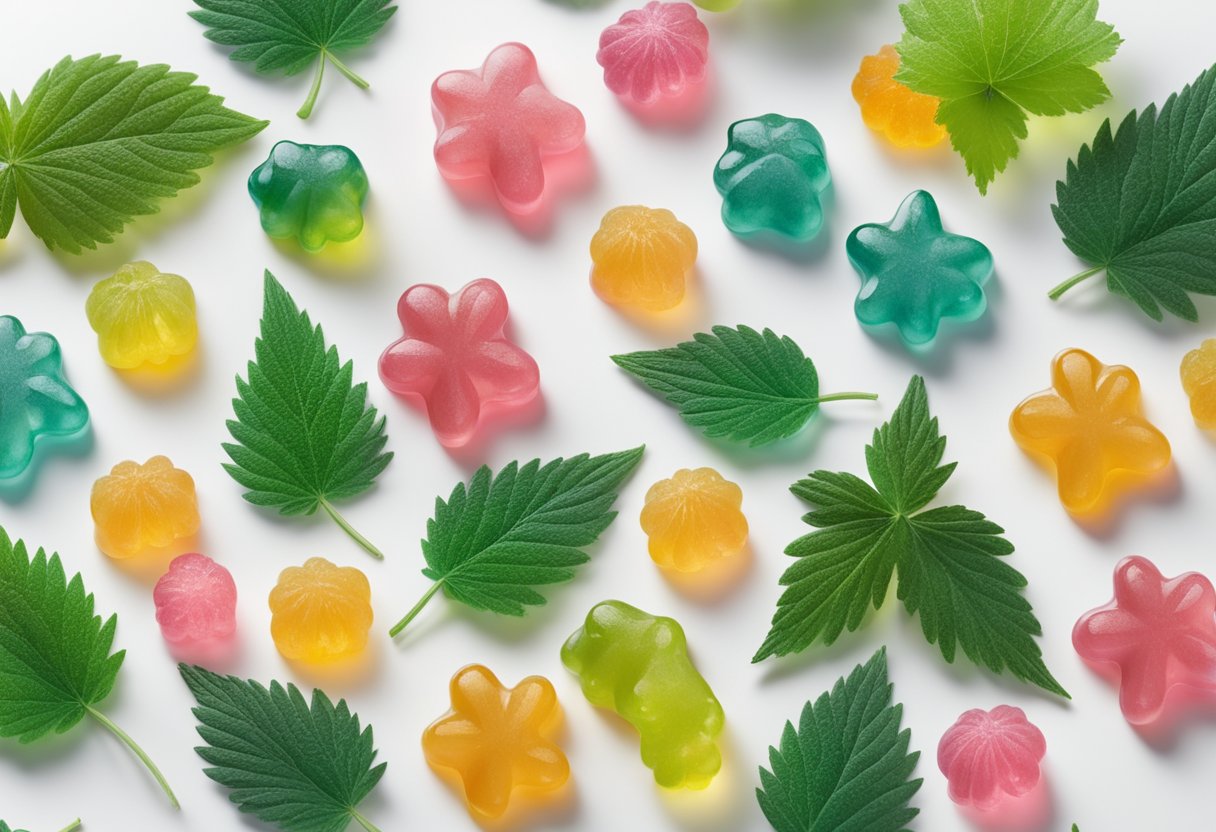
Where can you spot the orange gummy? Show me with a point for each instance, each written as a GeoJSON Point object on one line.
{"type": "Point", "coordinates": [320, 612]}
{"type": "Point", "coordinates": [906, 118]}
{"type": "Point", "coordinates": [642, 257]}
{"type": "Point", "coordinates": [693, 519]}
{"type": "Point", "coordinates": [1199, 381]}
{"type": "Point", "coordinates": [141, 507]}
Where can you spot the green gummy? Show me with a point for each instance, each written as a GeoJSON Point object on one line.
{"type": "Point", "coordinates": [312, 192]}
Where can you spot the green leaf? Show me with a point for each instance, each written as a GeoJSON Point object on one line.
{"type": "Point", "coordinates": [55, 659]}
{"type": "Point", "coordinates": [1141, 204]}
{"type": "Point", "coordinates": [99, 141]}
{"type": "Point", "coordinates": [993, 62]}
{"type": "Point", "coordinates": [303, 768]}
{"type": "Point", "coordinates": [525, 526]}
{"type": "Point", "coordinates": [846, 768]}
{"type": "Point", "coordinates": [71, 827]}
{"type": "Point", "coordinates": [737, 383]}
{"type": "Point", "coordinates": [289, 36]}
{"type": "Point", "coordinates": [947, 559]}
{"type": "Point", "coordinates": [305, 434]}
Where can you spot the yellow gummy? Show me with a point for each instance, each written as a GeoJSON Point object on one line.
{"type": "Point", "coordinates": [320, 612]}
{"type": "Point", "coordinates": [141, 507]}
{"type": "Point", "coordinates": [142, 316]}
{"type": "Point", "coordinates": [641, 258]}
{"type": "Point", "coordinates": [693, 519]}
{"type": "Point", "coordinates": [1199, 381]}
{"type": "Point", "coordinates": [906, 118]}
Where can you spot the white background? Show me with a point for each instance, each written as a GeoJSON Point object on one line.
{"type": "Point", "coordinates": [1101, 773]}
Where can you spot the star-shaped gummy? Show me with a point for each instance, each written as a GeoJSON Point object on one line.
{"type": "Point", "coordinates": [914, 273]}
{"type": "Point", "coordinates": [1090, 428]}
{"type": "Point", "coordinates": [35, 399]}
{"type": "Point", "coordinates": [455, 357]}
{"type": "Point", "coordinates": [501, 122]}
{"type": "Point", "coordinates": [1159, 632]}
{"type": "Point", "coordinates": [314, 193]}
{"type": "Point", "coordinates": [497, 739]}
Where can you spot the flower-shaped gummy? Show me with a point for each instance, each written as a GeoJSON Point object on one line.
{"type": "Point", "coordinates": [656, 52]}
{"type": "Point", "coordinates": [314, 193]}
{"type": "Point", "coordinates": [642, 257]}
{"type": "Point", "coordinates": [142, 316]}
{"type": "Point", "coordinates": [195, 602]}
{"type": "Point", "coordinates": [320, 612]}
{"type": "Point", "coordinates": [693, 519]}
{"type": "Point", "coordinates": [987, 755]}
{"type": "Point", "coordinates": [137, 508]}
{"type": "Point", "coordinates": [905, 117]}
{"type": "Point", "coordinates": [1198, 373]}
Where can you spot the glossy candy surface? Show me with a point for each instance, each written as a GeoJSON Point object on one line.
{"type": "Point", "coordinates": [1198, 373]}
{"type": "Point", "coordinates": [641, 258]}
{"type": "Point", "coordinates": [320, 612]}
{"type": "Point", "coordinates": [137, 508]}
{"type": "Point", "coordinates": [913, 273]}
{"type": "Point", "coordinates": [904, 117]}
{"type": "Point", "coordinates": [312, 192]}
{"type": "Point", "coordinates": [142, 316]}
{"type": "Point", "coordinates": [498, 739]}
{"type": "Point", "coordinates": [693, 519]}
{"type": "Point", "coordinates": [637, 665]}
{"type": "Point", "coordinates": [657, 51]}
{"type": "Point", "coordinates": [988, 754]}
{"type": "Point", "coordinates": [1090, 428]}
{"type": "Point", "coordinates": [195, 602]}
{"type": "Point", "coordinates": [456, 358]}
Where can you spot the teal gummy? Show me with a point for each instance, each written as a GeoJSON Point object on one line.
{"type": "Point", "coordinates": [312, 192]}
{"type": "Point", "coordinates": [914, 274]}
{"type": "Point", "coordinates": [772, 177]}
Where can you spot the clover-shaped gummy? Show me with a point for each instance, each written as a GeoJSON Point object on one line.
{"type": "Point", "coordinates": [137, 508]}
{"type": "Point", "coordinates": [320, 612]}
{"type": "Point", "coordinates": [314, 193]}
{"type": "Point", "coordinates": [642, 257]}
{"type": "Point", "coordinates": [142, 316]}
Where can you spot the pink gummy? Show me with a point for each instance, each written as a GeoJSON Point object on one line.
{"type": "Point", "coordinates": [1160, 633]}
{"type": "Point", "coordinates": [455, 357]}
{"type": "Point", "coordinates": [501, 122]}
{"type": "Point", "coordinates": [657, 51]}
{"type": "Point", "coordinates": [986, 755]}
{"type": "Point", "coordinates": [195, 602]}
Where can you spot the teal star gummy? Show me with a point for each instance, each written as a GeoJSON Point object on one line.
{"type": "Point", "coordinates": [913, 273]}
{"type": "Point", "coordinates": [312, 192]}
{"type": "Point", "coordinates": [35, 399]}
{"type": "Point", "coordinates": [772, 177]}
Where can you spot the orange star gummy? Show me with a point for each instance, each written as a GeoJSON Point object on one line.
{"type": "Point", "coordinates": [1090, 428]}
{"type": "Point", "coordinates": [320, 612]}
{"type": "Point", "coordinates": [1199, 381]}
{"type": "Point", "coordinates": [141, 507]}
{"type": "Point", "coordinates": [642, 257]}
{"type": "Point", "coordinates": [906, 118]}
{"type": "Point", "coordinates": [496, 739]}
{"type": "Point", "coordinates": [693, 519]}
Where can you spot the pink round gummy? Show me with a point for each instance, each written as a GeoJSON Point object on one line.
{"type": "Point", "coordinates": [456, 358]}
{"type": "Point", "coordinates": [195, 602]}
{"type": "Point", "coordinates": [657, 51]}
{"type": "Point", "coordinates": [988, 754]}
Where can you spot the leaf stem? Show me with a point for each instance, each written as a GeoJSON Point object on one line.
{"type": "Point", "coordinates": [362, 821]}
{"type": "Point", "coordinates": [1055, 293]}
{"type": "Point", "coordinates": [847, 395]}
{"type": "Point", "coordinates": [344, 69]}
{"type": "Point", "coordinates": [413, 613]}
{"type": "Point", "coordinates": [350, 530]}
{"type": "Point", "coordinates": [139, 752]}
{"type": "Point", "coordinates": [71, 826]}
{"type": "Point", "coordinates": [306, 108]}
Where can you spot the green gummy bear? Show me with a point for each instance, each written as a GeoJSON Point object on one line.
{"type": "Point", "coordinates": [313, 192]}
{"type": "Point", "coordinates": [914, 274]}
{"type": "Point", "coordinates": [637, 665]}
{"type": "Point", "coordinates": [772, 177]}
{"type": "Point", "coordinates": [35, 398]}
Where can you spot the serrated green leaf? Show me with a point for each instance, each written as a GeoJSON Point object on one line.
{"type": "Point", "coordinates": [287, 37]}
{"type": "Point", "coordinates": [495, 539]}
{"type": "Point", "coordinates": [737, 383]}
{"type": "Point", "coordinates": [947, 559]}
{"type": "Point", "coordinates": [1141, 204]}
{"type": "Point", "coordinates": [303, 768]}
{"type": "Point", "coordinates": [305, 434]}
{"type": "Point", "coordinates": [846, 768]}
{"type": "Point", "coordinates": [100, 140]}
{"type": "Point", "coordinates": [993, 62]}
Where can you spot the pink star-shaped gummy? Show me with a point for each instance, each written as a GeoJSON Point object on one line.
{"type": "Point", "coordinates": [1160, 633]}
{"type": "Point", "coordinates": [501, 121]}
{"type": "Point", "coordinates": [455, 357]}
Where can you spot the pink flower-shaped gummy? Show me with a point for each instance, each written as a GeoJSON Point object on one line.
{"type": "Point", "coordinates": [986, 755]}
{"type": "Point", "coordinates": [657, 51]}
{"type": "Point", "coordinates": [501, 122]}
{"type": "Point", "coordinates": [1160, 633]}
{"type": "Point", "coordinates": [455, 357]}
{"type": "Point", "coordinates": [195, 602]}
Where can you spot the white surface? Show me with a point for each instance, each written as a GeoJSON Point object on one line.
{"type": "Point", "coordinates": [1102, 774]}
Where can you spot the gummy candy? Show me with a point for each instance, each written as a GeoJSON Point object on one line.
{"type": "Point", "coordinates": [988, 754]}
{"type": "Point", "coordinates": [501, 122]}
{"type": "Point", "coordinates": [1090, 428]}
{"type": "Point", "coordinates": [313, 192]}
{"type": "Point", "coordinates": [914, 274]}
{"type": "Point", "coordinates": [693, 519]}
{"type": "Point", "coordinates": [1159, 632]}
{"type": "Point", "coordinates": [35, 399]}
{"type": "Point", "coordinates": [906, 118]}
{"type": "Point", "coordinates": [716, 5]}
{"type": "Point", "coordinates": [195, 602]}
{"type": "Point", "coordinates": [142, 316]}
{"type": "Point", "coordinates": [498, 739]}
{"type": "Point", "coordinates": [642, 258]}
{"type": "Point", "coordinates": [455, 357]}
{"type": "Point", "coordinates": [657, 51]}
{"type": "Point", "coordinates": [141, 507]}
{"type": "Point", "coordinates": [638, 666]}
{"type": "Point", "coordinates": [1199, 381]}
{"type": "Point", "coordinates": [320, 612]}
{"type": "Point", "coordinates": [772, 177]}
